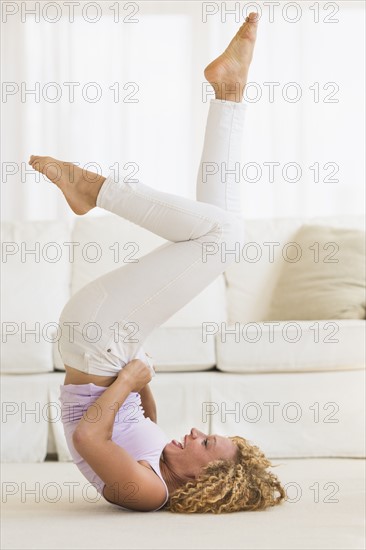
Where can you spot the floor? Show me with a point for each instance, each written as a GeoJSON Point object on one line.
{"type": "Point", "coordinates": [326, 509]}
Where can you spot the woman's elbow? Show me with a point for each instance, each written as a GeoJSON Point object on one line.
{"type": "Point", "coordinates": [80, 438]}
{"type": "Point", "coordinates": [87, 438]}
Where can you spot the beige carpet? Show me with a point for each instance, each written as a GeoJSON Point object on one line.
{"type": "Point", "coordinates": [320, 516]}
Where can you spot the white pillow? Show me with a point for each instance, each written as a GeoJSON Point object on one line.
{"type": "Point", "coordinates": [323, 278]}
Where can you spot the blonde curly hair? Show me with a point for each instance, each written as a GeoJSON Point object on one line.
{"type": "Point", "coordinates": [230, 485]}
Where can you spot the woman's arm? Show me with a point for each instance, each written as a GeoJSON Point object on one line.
{"type": "Point", "coordinates": [98, 420]}
{"type": "Point", "coordinates": [127, 482]}
{"type": "Point", "coordinates": [148, 403]}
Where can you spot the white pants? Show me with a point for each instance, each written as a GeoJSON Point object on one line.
{"type": "Point", "coordinates": [128, 303]}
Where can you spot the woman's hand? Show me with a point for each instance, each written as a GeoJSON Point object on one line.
{"type": "Point", "coordinates": [135, 374]}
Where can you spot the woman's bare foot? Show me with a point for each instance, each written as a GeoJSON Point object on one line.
{"type": "Point", "coordinates": [79, 186]}
{"type": "Point", "coordinates": [229, 72]}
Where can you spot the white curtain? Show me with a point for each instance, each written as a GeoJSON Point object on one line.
{"type": "Point", "coordinates": [152, 55]}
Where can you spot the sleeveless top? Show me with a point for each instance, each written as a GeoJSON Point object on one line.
{"type": "Point", "coordinates": [138, 435]}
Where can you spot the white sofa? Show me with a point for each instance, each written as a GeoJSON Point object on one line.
{"type": "Point", "coordinates": [218, 366]}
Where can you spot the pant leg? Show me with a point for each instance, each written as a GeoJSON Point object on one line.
{"type": "Point", "coordinates": [128, 303]}
{"type": "Point", "coordinates": [218, 180]}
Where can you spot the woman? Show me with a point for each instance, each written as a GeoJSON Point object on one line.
{"type": "Point", "coordinates": [105, 393]}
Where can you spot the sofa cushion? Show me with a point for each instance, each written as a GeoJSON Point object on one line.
{"type": "Point", "coordinates": [252, 277]}
{"type": "Point", "coordinates": [175, 349]}
{"type": "Point", "coordinates": [323, 276]}
{"type": "Point", "coordinates": [297, 346]}
{"type": "Point", "coordinates": [26, 417]}
{"type": "Point", "coordinates": [312, 414]}
{"type": "Point", "coordinates": [35, 287]}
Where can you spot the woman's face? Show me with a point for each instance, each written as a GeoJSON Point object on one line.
{"type": "Point", "coordinates": [197, 450]}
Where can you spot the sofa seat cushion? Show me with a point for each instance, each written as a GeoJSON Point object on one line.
{"type": "Point", "coordinates": [322, 276]}
{"type": "Point", "coordinates": [287, 346]}
{"type": "Point", "coordinates": [312, 414]}
{"type": "Point", "coordinates": [26, 417]}
{"type": "Point", "coordinates": [180, 349]}
{"type": "Point", "coordinates": [171, 350]}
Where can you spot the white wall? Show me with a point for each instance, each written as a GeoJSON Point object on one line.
{"type": "Point", "coordinates": [164, 53]}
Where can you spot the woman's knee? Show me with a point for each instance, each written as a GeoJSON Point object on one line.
{"type": "Point", "coordinates": [232, 230]}
{"type": "Point", "coordinates": [228, 228]}
{"type": "Point", "coordinates": [224, 241]}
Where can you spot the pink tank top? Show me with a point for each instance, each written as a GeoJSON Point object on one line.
{"type": "Point", "coordinates": [139, 436]}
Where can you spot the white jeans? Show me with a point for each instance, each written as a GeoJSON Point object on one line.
{"type": "Point", "coordinates": [128, 303]}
